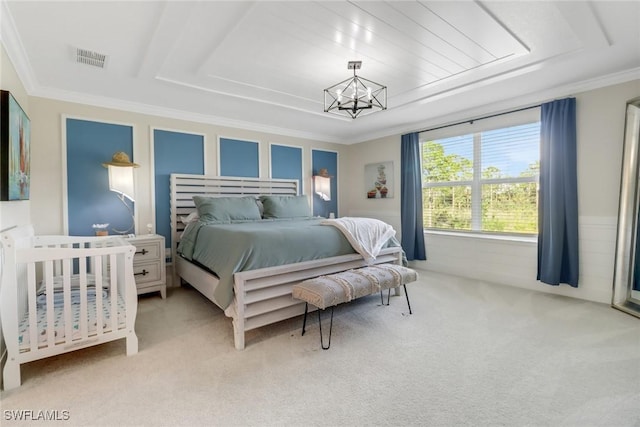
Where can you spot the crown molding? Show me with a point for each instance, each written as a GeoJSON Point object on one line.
{"type": "Point", "coordinates": [599, 82]}
{"type": "Point", "coordinates": [152, 110]}
{"type": "Point", "coordinates": [15, 50]}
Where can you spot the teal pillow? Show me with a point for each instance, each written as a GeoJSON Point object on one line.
{"type": "Point", "coordinates": [227, 208]}
{"type": "Point", "coordinates": [285, 207]}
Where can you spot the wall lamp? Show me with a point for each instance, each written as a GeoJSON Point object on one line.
{"type": "Point", "coordinates": [120, 170]}
{"type": "Point", "coordinates": [322, 184]}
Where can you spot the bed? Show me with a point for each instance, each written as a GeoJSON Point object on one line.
{"type": "Point", "coordinates": [258, 295]}
{"type": "Point", "coordinates": [64, 293]}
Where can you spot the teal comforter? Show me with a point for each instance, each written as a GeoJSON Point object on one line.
{"type": "Point", "coordinates": [229, 248]}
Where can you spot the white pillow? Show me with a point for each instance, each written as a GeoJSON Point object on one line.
{"type": "Point", "coordinates": [192, 217]}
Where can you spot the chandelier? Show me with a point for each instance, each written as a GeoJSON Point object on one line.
{"type": "Point", "coordinates": [355, 96]}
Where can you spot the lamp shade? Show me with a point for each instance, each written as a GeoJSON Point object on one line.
{"type": "Point", "coordinates": [121, 181]}
{"type": "Point", "coordinates": [322, 187]}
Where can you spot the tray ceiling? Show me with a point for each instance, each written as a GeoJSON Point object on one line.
{"type": "Point", "coordinates": [264, 65]}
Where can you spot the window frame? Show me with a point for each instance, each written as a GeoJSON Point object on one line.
{"type": "Point", "coordinates": [476, 183]}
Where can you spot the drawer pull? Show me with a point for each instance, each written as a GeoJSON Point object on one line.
{"type": "Point", "coordinates": [143, 252]}
{"type": "Point", "coordinates": [143, 273]}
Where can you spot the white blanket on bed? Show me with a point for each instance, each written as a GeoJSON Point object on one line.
{"type": "Point", "coordinates": [366, 235]}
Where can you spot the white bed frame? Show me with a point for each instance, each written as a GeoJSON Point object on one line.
{"type": "Point", "coordinates": [262, 296]}
{"type": "Point", "coordinates": [28, 260]}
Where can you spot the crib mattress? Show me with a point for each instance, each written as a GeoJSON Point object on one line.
{"type": "Point", "coordinates": [24, 339]}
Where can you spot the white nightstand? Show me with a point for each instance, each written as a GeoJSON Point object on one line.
{"type": "Point", "coordinates": [149, 263]}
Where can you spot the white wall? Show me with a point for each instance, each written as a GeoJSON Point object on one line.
{"type": "Point", "coordinates": [600, 122]}
{"type": "Point", "coordinates": [353, 185]}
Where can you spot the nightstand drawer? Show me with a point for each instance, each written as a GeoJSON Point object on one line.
{"type": "Point", "coordinates": [147, 251]}
{"type": "Point", "coordinates": [147, 272]}
{"type": "Point", "coordinates": [149, 263]}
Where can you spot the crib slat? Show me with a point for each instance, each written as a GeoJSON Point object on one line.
{"type": "Point", "coordinates": [98, 277]}
{"type": "Point", "coordinates": [33, 313]}
{"type": "Point", "coordinates": [57, 267]}
{"type": "Point", "coordinates": [105, 259]}
{"type": "Point", "coordinates": [93, 261]}
{"type": "Point", "coordinates": [113, 290]}
{"type": "Point", "coordinates": [48, 272]}
{"type": "Point", "coordinates": [84, 318]}
{"type": "Point", "coordinates": [66, 288]}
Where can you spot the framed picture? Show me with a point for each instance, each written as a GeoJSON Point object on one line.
{"type": "Point", "coordinates": [378, 179]}
{"type": "Point", "coordinates": [15, 141]}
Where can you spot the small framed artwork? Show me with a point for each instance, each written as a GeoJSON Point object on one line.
{"type": "Point", "coordinates": [15, 141]}
{"type": "Point", "coordinates": [378, 179]}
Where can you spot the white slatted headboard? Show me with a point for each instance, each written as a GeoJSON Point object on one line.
{"type": "Point", "coordinates": [184, 187]}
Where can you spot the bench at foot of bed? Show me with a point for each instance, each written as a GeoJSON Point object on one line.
{"type": "Point", "coordinates": [331, 290]}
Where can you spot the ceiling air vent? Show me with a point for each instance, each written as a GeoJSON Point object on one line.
{"type": "Point", "coordinates": [89, 57]}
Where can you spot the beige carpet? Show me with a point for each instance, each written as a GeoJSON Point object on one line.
{"type": "Point", "coordinates": [471, 354]}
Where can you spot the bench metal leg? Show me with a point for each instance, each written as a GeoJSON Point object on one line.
{"type": "Point", "coordinates": [407, 295]}
{"type": "Point", "coordinates": [304, 320]}
{"type": "Point", "coordinates": [389, 297]}
{"type": "Point", "coordinates": [304, 325]}
{"type": "Point", "coordinates": [330, 328]}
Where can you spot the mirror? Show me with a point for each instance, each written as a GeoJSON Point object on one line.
{"type": "Point", "coordinates": [626, 279]}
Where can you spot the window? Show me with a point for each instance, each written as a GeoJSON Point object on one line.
{"type": "Point", "coordinates": [485, 181]}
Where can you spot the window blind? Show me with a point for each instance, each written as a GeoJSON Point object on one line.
{"type": "Point", "coordinates": [486, 181]}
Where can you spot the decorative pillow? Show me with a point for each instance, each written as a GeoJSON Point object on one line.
{"type": "Point", "coordinates": [226, 208]}
{"type": "Point", "coordinates": [285, 207]}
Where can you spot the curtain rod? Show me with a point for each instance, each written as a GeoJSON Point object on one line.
{"type": "Point", "coordinates": [470, 121]}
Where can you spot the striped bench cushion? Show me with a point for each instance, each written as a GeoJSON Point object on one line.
{"type": "Point", "coordinates": [333, 289]}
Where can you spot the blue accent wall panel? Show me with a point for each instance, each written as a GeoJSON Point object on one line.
{"type": "Point", "coordinates": [89, 144]}
{"type": "Point", "coordinates": [286, 163]}
{"type": "Point", "coordinates": [174, 152]}
{"type": "Point", "coordinates": [239, 158]}
{"type": "Point", "coordinates": [329, 160]}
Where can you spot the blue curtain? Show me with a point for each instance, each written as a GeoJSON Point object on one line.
{"type": "Point", "coordinates": [558, 204]}
{"type": "Point", "coordinates": [411, 198]}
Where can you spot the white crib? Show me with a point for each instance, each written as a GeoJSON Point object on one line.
{"type": "Point", "coordinates": [83, 286]}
